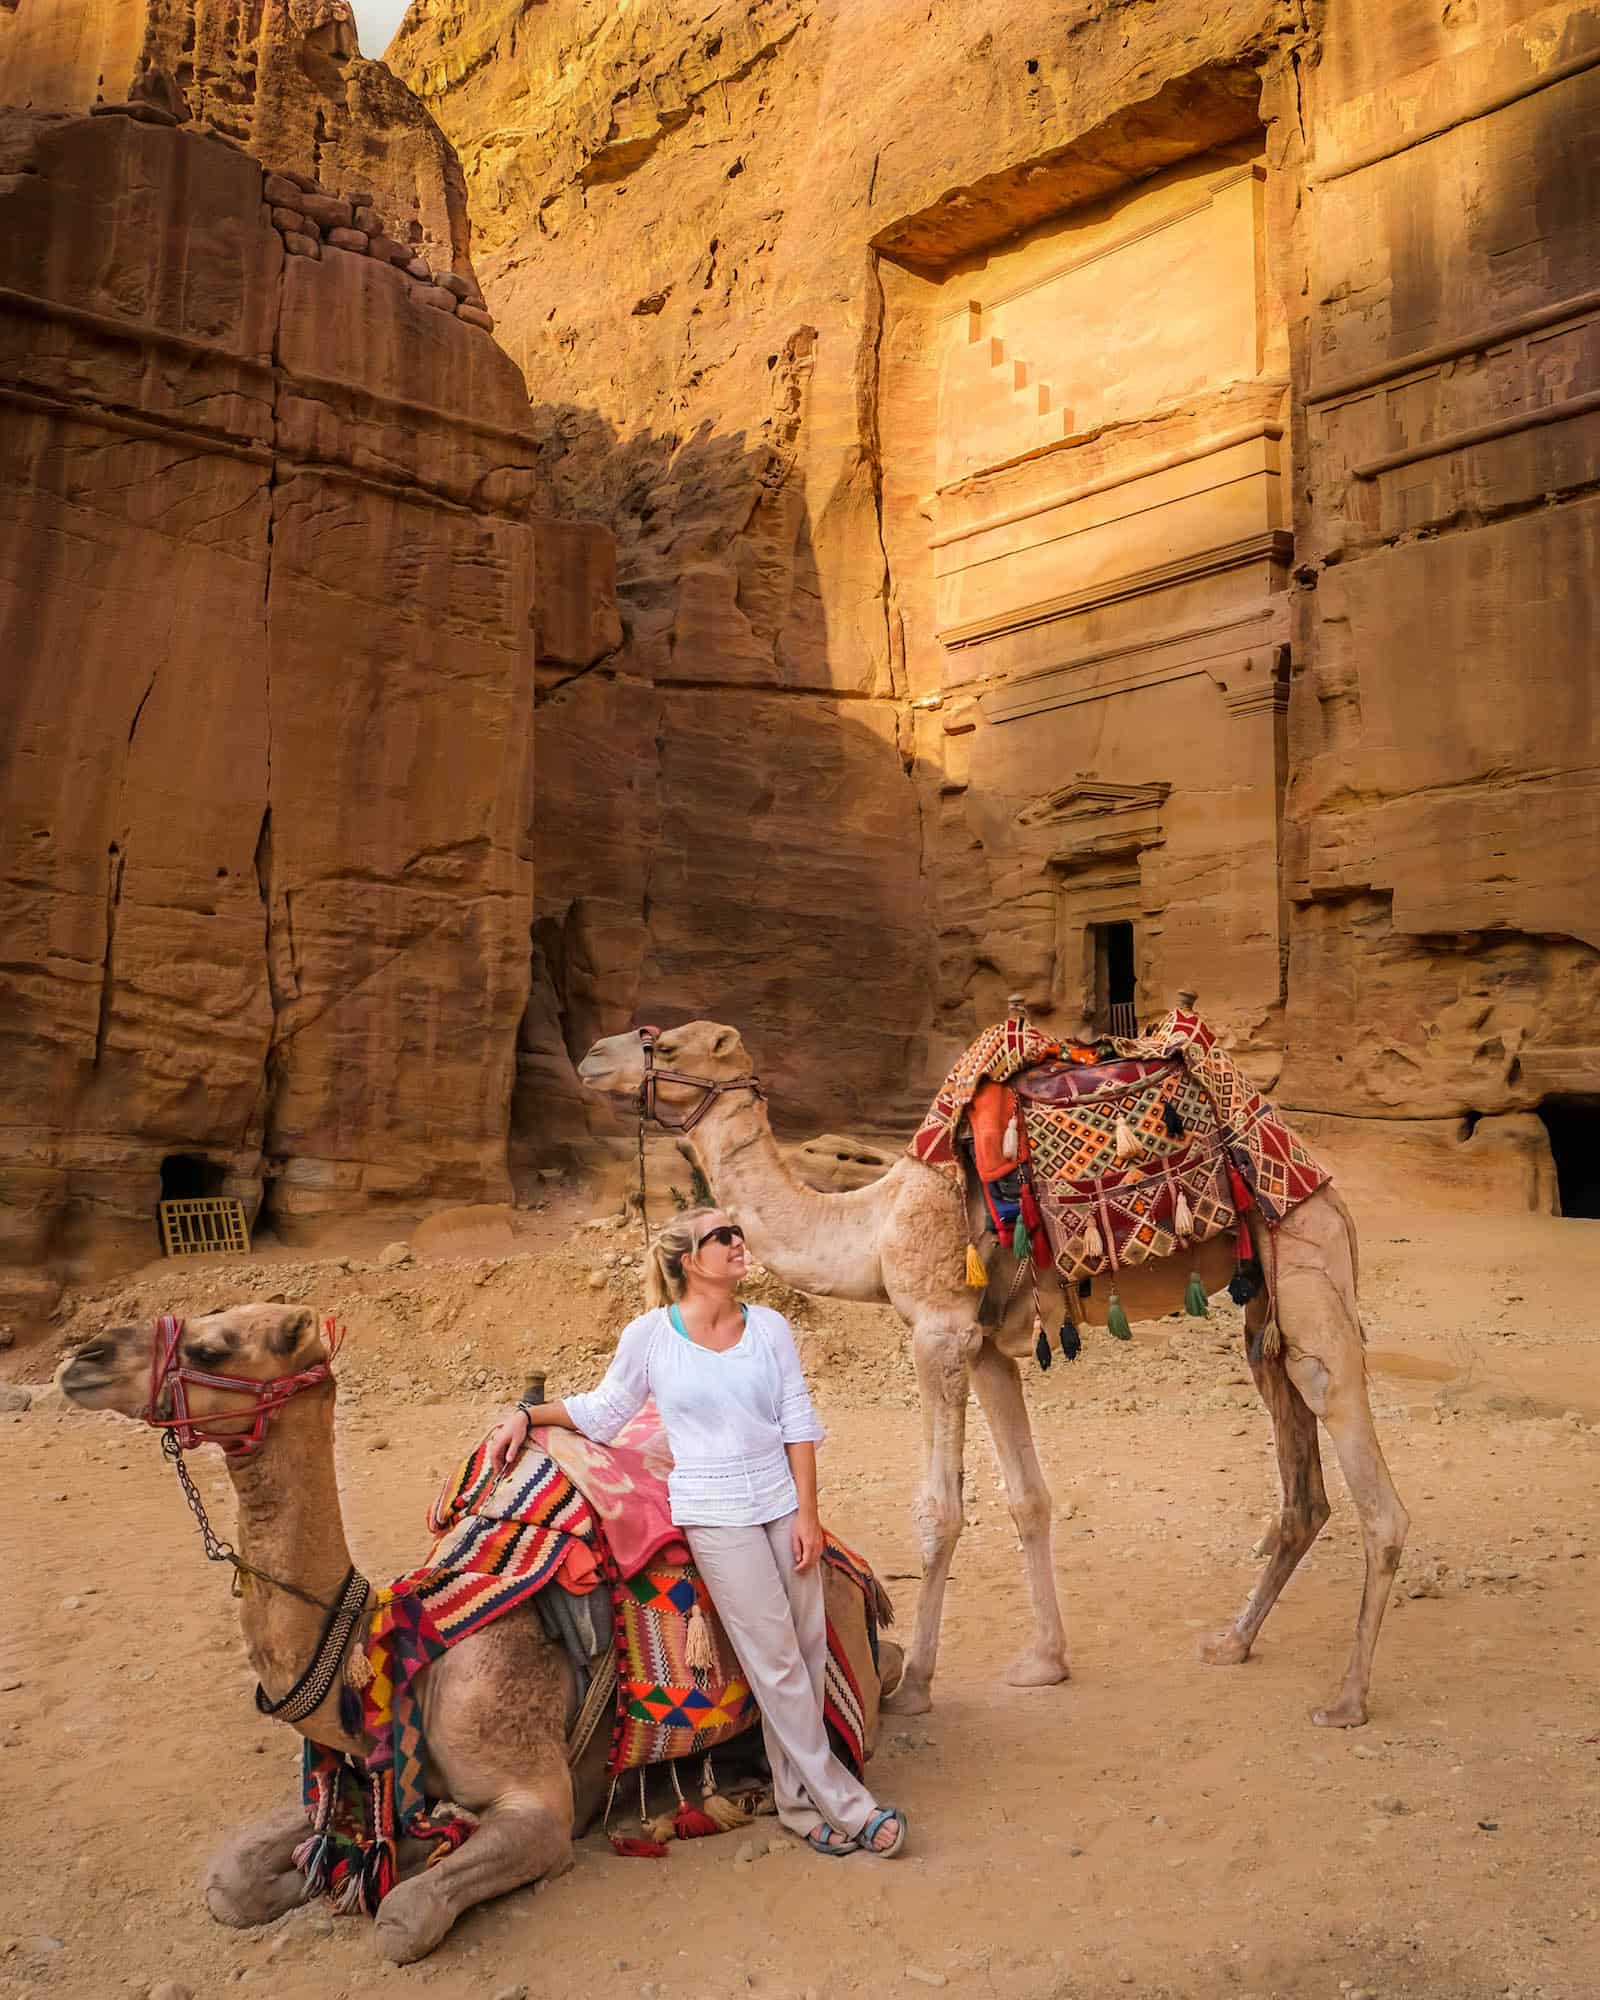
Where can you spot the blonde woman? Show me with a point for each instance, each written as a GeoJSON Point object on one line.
{"type": "Point", "coordinates": [744, 1435]}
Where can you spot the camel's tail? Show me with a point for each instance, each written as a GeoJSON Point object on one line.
{"type": "Point", "coordinates": [1350, 1237]}
{"type": "Point", "coordinates": [882, 1604]}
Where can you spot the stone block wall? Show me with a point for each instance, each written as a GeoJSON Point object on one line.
{"type": "Point", "coordinates": [266, 599]}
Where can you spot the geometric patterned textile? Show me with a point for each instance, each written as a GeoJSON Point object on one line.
{"type": "Point", "coordinates": [1192, 1115]}
{"type": "Point", "coordinates": [667, 1709]}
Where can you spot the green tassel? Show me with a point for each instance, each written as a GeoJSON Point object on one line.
{"type": "Point", "coordinates": [1019, 1240]}
{"type": "Point", "coordinates": [1194, 1299]}
{"type": "Point", "coordinates": [1117, 1320]}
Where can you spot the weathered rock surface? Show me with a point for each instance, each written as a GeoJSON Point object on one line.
{"type": "Point", "coordinates": [284, 79]}
{"type": "Point", "coordinates": [266, 596]}
{"type": "Point", "coordinates": [1170, 453]}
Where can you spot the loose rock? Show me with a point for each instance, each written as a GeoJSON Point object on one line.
{"type": "Point", "coordinates": [926, 1978]}
{"type": "Point", "coordinates": [14, 1398]}
{"type": "Point", "coordinates": [393, 1256]}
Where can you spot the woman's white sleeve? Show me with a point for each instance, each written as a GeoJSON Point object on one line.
{"type": "Point", "coordinates": [600, 1413]}
{"type": "Point", "coordinates": [797, 1416]}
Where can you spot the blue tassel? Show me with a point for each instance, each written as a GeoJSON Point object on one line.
{"type": "Point", "coordinates": [1041, 1347]}
{"type": "Point", "coordinates": [1071, 1345]}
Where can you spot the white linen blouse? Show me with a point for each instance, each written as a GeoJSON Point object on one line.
{"type": "Point", "coordinates": [727, 1416]}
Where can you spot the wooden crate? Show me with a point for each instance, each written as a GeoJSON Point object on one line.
{"type": "Point", "coordinates": [203, 1225]}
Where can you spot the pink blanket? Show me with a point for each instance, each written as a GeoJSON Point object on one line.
{"type": "Point", "coordinates": [625, 1482]}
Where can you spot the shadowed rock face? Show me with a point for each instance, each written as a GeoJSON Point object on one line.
{"type": "Point", "coordinates": [1144, 437]}
{"type": "Point", "coordinates": [266, 600]}
{"type": "Point", "coordinates": [285, 79]}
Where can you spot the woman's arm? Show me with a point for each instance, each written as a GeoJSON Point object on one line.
{"type": "Point", "coordinates": [599, 1413]}
{"type": "Point", "coordinates": [512, 1432]}
{"type": "Point", "coordinates": [807, 1526]}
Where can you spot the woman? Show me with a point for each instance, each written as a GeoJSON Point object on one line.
{"type": "Point", "coordinates": [744, 1437]}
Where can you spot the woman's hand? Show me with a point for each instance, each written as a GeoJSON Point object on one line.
{"type": "Point", "coordinates": [807, 1540]}
{"type": "Point", "coordinates": [507, 1439]}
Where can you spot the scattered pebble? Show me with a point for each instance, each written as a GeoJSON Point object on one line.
{"type": "Point", "coordinates": [745, 1854]}
{"type": "Point", "coordinates": [14, 1399]}
{"type": "Point", "coordinates": [393, 1256]}
{"type": "Point", "coordinates": [169, 1989]}
{"type": "Point", "coordinates": [926, 1978]}
{"type": "Point", "coordinates": [379, 1443]}
{"type": "Point", "coordinates": [512, 1993]}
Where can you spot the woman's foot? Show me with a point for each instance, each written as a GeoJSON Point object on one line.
{"type": "Point", "coordinates": [884, 1833]}
{"type": "Point", "coordinates": [825, 1839]}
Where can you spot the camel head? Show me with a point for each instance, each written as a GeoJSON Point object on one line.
{"type": "Point", "coordinates": [701, 1049]}
{"type": "Point", "coordinates": [251, 1343]}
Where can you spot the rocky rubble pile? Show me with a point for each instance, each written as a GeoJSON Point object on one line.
{"type": "Point", "coordinates": [310, 219]}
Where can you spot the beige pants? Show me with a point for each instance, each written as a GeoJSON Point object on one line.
{"type": "Point", "coordinates": [774, 1615]}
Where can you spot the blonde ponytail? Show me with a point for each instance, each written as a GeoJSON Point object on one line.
{"type": "Point", "coordinates": [672, 1242]}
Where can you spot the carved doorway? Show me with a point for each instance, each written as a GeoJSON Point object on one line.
{"type": "Point", "coordinates": [1116, 978]}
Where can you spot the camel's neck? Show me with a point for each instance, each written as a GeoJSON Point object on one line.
{"type": "Point", "coordinates": [291, 1527]}
{"type": "Point", "coordinates": [825, 1243]}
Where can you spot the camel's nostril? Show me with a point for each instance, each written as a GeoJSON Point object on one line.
{"type": "Point", "coordinates": [93, 1350]}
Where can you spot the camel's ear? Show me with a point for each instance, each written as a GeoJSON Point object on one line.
{"type": "Point", "coordinates": [725, 1044]}
{"type": "Point", "coordinates": [293, 1330]}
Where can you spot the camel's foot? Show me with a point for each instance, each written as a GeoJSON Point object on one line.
{"type": "Point", "coordinates": [911, 1697]}
{"type": "Point", "coordinates": [1348, 1712]}
{"type": "Point", "coordinates": [891, 1668]}
{"type": "Point", "coordinates": [253, 1880]}
{"type": "Point", "coordinates": [1224, 1648]}
{"type": "Point", "coordinates": [412, 1919]}
{"type": "Point", "coordinates": [1035, 1669]}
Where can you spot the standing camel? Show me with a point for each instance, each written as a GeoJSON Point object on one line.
{"type": "Point", "coordinates": [903, 1240]}
{"type": "Point", "coordinates": [495, 1707]}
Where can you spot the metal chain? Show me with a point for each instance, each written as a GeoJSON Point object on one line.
{"type": "Point", "coordinates": [217, 1550]}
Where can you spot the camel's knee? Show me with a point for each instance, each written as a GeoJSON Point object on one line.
{"type": "Point", "coordinates": [1312, 1380]}
{"type": "Point", "coordinates": [937, 1519]}
{"type": "Point", "coordinates": [253, 1880]}
{"type": "Point", "coordinates": [1031, 1514]}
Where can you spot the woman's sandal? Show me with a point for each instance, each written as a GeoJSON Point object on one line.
{"type": "Point", "coordinates": [825, 1839]}
{"type": "Point", "coordinates": [875, 1825]}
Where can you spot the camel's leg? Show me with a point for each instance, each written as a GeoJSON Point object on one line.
{"type": "Point", "coordinates": [1315, 1258]}
{"type": "Point", "coordinates": [518, 1840]}
{"type": "Point", "coordinates": [940, 1354]}
{"type": "Point", "coordinates": [998, 1382]}
{"type": "Point", "coordinates": [1304, 1507]}
{"type": "Point", "coordinates": [253, 1880]}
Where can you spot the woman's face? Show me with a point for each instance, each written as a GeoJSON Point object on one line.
{"type": "Point", "coordinates": [721, 1263]}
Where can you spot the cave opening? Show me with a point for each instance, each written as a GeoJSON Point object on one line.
{"type": "Point", "coordinates": [1573, 1127]}
{"type": "Point", "coordinates": [190, 1177]}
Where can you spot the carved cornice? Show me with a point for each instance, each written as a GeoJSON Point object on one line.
{"type": "Point", "coordinates": [1244, 654]}
{"type": "Point", "coordinates": [1273, 545]}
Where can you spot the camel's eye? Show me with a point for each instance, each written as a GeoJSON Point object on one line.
{"type": "Point", "coordinates": [205, 1354]}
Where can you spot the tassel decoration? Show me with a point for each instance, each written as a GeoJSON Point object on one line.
{"type": "Point", "coordinates": [1194, 1298]}
{"type": "Point", "coordinates": [700, 1650]}
{"type": "Point", "coordinates": [631, 1846]}
{"type": "Point", "coordinates": [1093, 1242]}
{"type": "Point", "coordinates": [1117, 1320]}
{"type": "Point", "coordinates": [1019, 1240]}
{"type": "Point", "coordinates": [1169, 1117]}
{"type": "Point", "coordinates": [1128, 1146]}
{"type": "Point", "coordinates": [358, 1668]}
{"type": "Point", "coordinates": [1183, 1216]}
{"type": "Point", "coordinates": [1071, 1344]}
{"type": "Point", "coordinates": [1245, 1282]}
{"type": "Point", "coordinates": [977, 1276]}
{"type": "Point", "coordinates": [1009, 1144]}
{"type": "Point", "coordinates": [1041, 1343]}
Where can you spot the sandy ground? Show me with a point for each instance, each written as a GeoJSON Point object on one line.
{"type": "Point", "coordinates": [1156, 1827]}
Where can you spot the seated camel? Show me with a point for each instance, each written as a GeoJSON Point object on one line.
{"type": "Point", "coordinates": [496, 1707]}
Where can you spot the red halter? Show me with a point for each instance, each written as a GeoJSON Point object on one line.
{"type": "Point", "coordinates": [266, 1398]}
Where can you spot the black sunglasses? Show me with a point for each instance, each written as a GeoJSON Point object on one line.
{"type": "Point", "coordinates": [727, 1234]}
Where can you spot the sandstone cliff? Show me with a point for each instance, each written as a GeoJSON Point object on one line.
{"type": "Point", "coordinates": [1149, 435]}
{"type": "Point", "coordinates": [266, 576]}
{"type": "Point", "coordinates": [284, 79]}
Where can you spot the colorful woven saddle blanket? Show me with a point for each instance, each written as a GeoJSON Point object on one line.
{"type": "Point", "coordinates": [674, 1680]}
{"type": "Point", "coordinates": [1116, 1153]}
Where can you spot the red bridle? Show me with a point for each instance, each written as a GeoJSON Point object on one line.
{"type": "Point", "coordinates": [168, 1373]}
